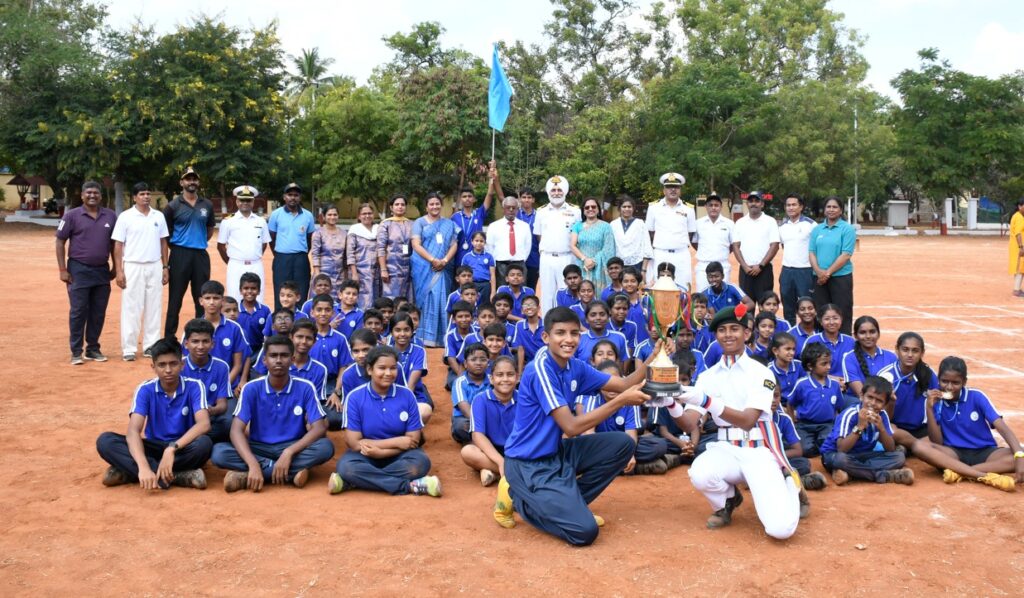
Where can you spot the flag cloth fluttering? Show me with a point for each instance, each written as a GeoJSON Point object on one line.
{"type": "Point", "coordinates": [499, 95]}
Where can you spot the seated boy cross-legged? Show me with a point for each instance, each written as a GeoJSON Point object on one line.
{"type": "Point", "coordinates": [173, 412]}
{"type": "Point", "coordinates": [552, 479]}
{"type": "Point", "coordinates": [286, 427]}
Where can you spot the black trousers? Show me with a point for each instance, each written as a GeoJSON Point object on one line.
{"type": "Point", "coordinates": [755, 286]}
{"type": "Point", "coordinates": [187, 268]}
{"type": "Point", "coordinates": [838, 290]}
{"type": "Point", "coordinates": [113, 448]}
{"type": "Point", "coordinates": [88, 293]}
{"type": "Point", "coordinates": [294, 267]}
{"type": "Point", "coordinates": [532, 275]}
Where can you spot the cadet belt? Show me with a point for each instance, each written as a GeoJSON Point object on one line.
{"type": "Point", "coordinates": [741, 437]}
{"type": "Point", "coordinates": [671, 250]}
{"type": "Point", "coordinates": [555, 253]}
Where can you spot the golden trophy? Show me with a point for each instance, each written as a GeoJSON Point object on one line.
{"type": "Point", "coordinates": [666, 310]}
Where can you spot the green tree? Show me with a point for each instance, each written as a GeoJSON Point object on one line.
{"type": "Point", "coordinates": [778, 42]}
{"type": "Point", "coordinates": [814, 149]}
{"type": "Point", "coordinates": [959, 132]}
{"type": "Point", "coordinates": [355, 155]}
{"type": "Point", "coordinates": [597, 151]}
{"type": "Point", "coordinates": [310, 73]}
{"type": "Point", "coordinates": [52, 87]}
{"type": "Point", "coordinates": [206, 95]}
{"type": "Point", "coordinates": [699, 121]}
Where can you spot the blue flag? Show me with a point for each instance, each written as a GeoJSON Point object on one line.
{"type": "Point", "coordinates": [499, 95]}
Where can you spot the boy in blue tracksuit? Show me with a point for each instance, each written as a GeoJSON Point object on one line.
{"type": "Point", "coordinates": [465, 389]}
{"type": "Point", "coordinates": [286, 426]}
{"type": "Point", "coordinates": [252, 315]}
{"type": "Point", "coordinates": [213, 373]}
{"type": "Point", "coordinates": [815, 399]}
{"type": "Point", "coordinates": [861, 444]}
{"type": "Point", "coordinates": [551, 480]}
{"type": "Point", "coordinates": [172, 411]}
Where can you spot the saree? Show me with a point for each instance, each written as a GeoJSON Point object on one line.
{"type": "Point", "coordinates": [430, 287]}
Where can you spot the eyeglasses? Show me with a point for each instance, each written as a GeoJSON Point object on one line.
{"type": "Point", "coordinates": [589, 207]}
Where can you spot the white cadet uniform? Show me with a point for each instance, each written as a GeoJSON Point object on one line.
{"type": "Point", "coordinates": [671, 226]}
{"type": "Point", "coordinates": [714, 243]}
{"type": "Point", "coordinates": [743, 383]}
{"type": "Point", "coordinates": [552, 226]}
{"type": "Point", "coordinates": [244, 238]}
{"type": "Point", "coordinates": [142, 263]}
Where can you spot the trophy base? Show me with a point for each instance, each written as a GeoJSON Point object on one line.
{"type": "Point", "coordinates": [659, 391]}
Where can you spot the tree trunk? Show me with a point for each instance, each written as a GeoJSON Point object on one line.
{"type": "Point", "coordinates": [118, 196]}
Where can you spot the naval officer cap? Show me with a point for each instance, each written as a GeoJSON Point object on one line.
{"type": "Point", "coordinates": [245, 193]}
{"type": "Point", "coordinates": [672, 179]}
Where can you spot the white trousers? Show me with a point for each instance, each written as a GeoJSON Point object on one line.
{"type": "Point", "coordinates": [717, 470]}
{"type": "Point", "coordinates": [550, 278]}
{"type": "Point", "coordinates": [680, 258]}
{"type": "Point", "coordinates": [236, 268]}
{"type": "Point", "coordinates": [141, 301]}
{"type": "Point", "coordinates": [702, 275]}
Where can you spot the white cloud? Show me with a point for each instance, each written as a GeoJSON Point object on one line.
{"type": "Point", "coordinates": [996, 51]}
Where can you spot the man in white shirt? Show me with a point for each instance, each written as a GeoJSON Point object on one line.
{"type": "Point", "coordinates": [551, 229]}
{"type": "Point", "coordinates": [672, 225]}
{"type": "Point", "coordinates": [140, 265]}
{"type": "Point", "coordinates": [509, 240]}
{"type": "Point", "coordinates": [797, 277]}
{"type": "Point", "coordinates": [714, 241]}
{"type": "Point", "coordinates": [241, 241]}
{"type": "Point", "coordinates": [755, 243]}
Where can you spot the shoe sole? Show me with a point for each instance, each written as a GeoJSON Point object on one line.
{"type": "Point", "coordinates": [97, 360]}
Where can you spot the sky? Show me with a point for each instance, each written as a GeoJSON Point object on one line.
{"type": "Point", "coordinates": [982, 37]}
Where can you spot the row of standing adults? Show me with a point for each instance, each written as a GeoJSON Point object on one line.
{"type": "Point", "coordinates": [415, 259]}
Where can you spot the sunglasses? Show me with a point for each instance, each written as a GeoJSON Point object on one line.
{"type": "Point", "coordinates": [589, 207]}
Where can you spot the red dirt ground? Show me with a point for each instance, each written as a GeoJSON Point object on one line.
{"type": "Point", "coordinates": [63, 533]}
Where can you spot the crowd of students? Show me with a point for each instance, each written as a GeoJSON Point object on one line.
{"type": "Point", "coordinates": [549, 409]}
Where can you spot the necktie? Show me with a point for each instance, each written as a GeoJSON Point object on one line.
{"type": "Point", "coordinates": [512, 239]}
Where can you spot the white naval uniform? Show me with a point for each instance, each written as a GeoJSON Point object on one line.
{"type": "Point", "coordinates": [671, 226]}
{"type": "Point", "coordinates": [746, 384]}
{"type": "Point", "coordinates": [244, 238]}
{"type": "Point", "coordinates": [552, 226]}
{"type": "Point", "coordinates": [714, 244]}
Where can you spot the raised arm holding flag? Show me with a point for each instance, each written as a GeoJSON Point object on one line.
{"type": "Point", "coordinates": [499, 96]}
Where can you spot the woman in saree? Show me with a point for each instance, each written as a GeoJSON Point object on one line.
{"type": "Point", "coordinates": [394, 251]}
{"type": "Point", "coordinates": [328, 250]}
{"type": "Point", "coordinates": [362, 256]}
{"type": "Point", "coordinates": [434, 241]}
{"type": "Point", "coordinates": [593, 244]}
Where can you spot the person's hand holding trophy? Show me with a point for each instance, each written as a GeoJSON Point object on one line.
{"type": "Point", "coordinates": [667, 310]}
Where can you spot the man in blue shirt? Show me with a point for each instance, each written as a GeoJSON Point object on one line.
{"type": "Point", "coordinates": [173, 412]}
{"type": "Point", "coordinates": [291, 231]}
{"type": "Point", "coordinates": [286, 426]}
{"type": "Point", "coordinates": [190, 223]}
{"type": "Point", "coordinates": [552, 479]}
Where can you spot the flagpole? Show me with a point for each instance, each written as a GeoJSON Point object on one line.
{"type": "Point", "coordinates": [493, 134]}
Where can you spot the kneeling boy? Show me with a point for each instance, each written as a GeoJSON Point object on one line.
{"type": "Point", "coordinates": [552, 479]}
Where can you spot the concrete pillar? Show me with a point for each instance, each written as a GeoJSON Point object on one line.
{"type": "Point", "coordinates": [972, 213]}
{"type": "Point", "coordinates": [948, 214]}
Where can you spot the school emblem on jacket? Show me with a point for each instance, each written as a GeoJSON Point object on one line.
{"type": "Point", "coordinates": [620, 421]}
{"type": "Point", "coordinates": [226, 342]}
{"type": "Point", "coordinates": [213, 387]}
{"type": "Point", "coordinates": [974, 416]}
{"type": "Point", "coordinates": [297, 410]}
{"type": "Point", "coordinates": [184, 410]}
{"type": "Point", "coordinates": [202, 212]}
{"type": "Point", "coordinates": [404, 416]}
{"type": "Point", "coordinates": [572, 385]}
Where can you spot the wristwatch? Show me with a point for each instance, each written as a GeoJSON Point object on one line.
{"type": "Point", "coordinates": [857, 430]}
{"type": "Point", "coordinates": [1018, 455]}
{"type": "Point", "coordinates": [173, 445]}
